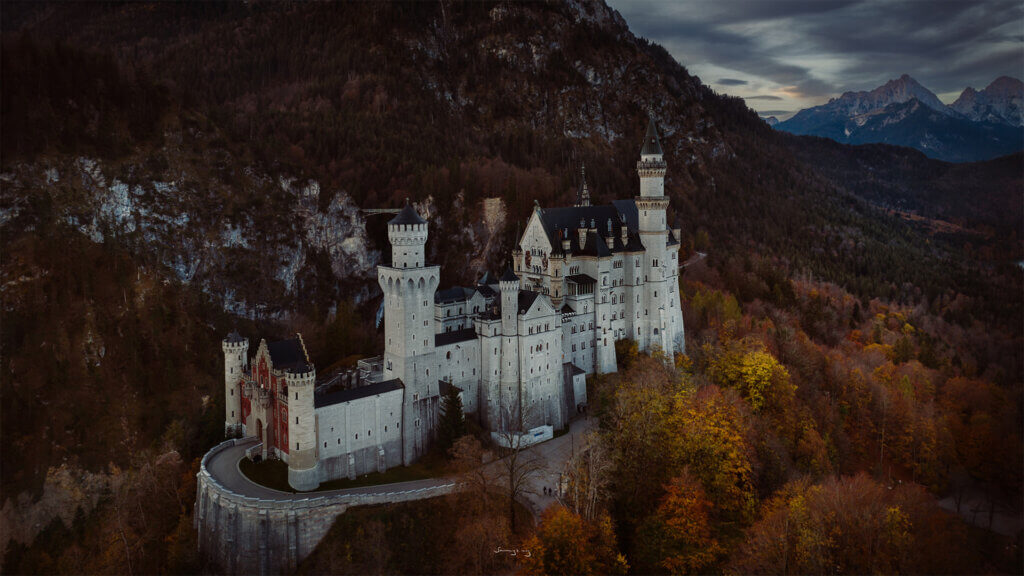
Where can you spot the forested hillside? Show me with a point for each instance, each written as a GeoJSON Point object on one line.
{"type": "Point", "coordinates": [173, 170]}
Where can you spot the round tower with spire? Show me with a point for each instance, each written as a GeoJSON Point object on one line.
{"type": "Point", "coordinates": [409, 286]}
{"type": "Point", "coordinates": [656, 323]}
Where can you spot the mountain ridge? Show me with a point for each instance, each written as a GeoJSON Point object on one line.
{"type": "Point", "coordinates": [978, 126]}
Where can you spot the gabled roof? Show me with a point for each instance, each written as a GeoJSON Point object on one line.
{"type": "Point", "coordinates": [627, 210]}
{"type": "Point", "coordinates": [526, 299]}
{"type": "Point", "coordinates": [408, 215]}
{"type": "Point", "coordinates": [486, 279]}
{"type": "Point", "coordinates": [486, 291]}
{"type": "Point", "coordinates": [566, 309]}
{"type": "Point", "coordinates": [651, 143]}
{"type": "Point", "coordinates": [286, 354]}
{"type": "Point", "coordinates": [340, 396]}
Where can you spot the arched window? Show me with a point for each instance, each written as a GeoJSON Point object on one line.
{"type": "Point", "coordinates": [448, 356]}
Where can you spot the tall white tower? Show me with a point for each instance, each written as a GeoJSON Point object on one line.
{"type": "Point", "coordinates": [658, 276]}
{"type": "Point", "coordinates": [302, 459]}
{"type": "Point", "coordinates": [409, 286]}
{"type": "Point", "coordinates": [236, 350]}
{"type": "Point", "coordinates": [509, 394]}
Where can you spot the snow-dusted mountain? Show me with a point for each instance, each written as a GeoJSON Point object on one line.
{"type": "Point", "coordinates": [905, 113]}
{"type": "Point", "coordinates": [1001, 102]}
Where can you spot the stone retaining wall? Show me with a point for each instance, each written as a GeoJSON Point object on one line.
{"type": "Point", "coordinates": [247, 535]}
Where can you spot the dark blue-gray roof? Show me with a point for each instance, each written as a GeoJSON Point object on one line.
{"type": "Point", "coordinates": [331, 398]}
{"type": "Point", "coordinates": [234, 337]}
{"type": "Point", "coordinates": [526, 299]}
{"type": "Point", "coordinates": [651, 143]}
{"type": "Point", "coordinates": [454, 294]}
{"type": "Point", "coordinates": [408, 215]}
{"type": "Point", "coordinates": [509, 276]}
{"type": "Point", "coordinates": [286, 354]}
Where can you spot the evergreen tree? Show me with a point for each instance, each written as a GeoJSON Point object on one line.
{"type": "Point", "coordinates": [452, 425]}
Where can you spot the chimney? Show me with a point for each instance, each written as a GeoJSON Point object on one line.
{"type": "Point", "coordinates": [610, 238]}
{"type": "Point", "coordinates": [583, 233]}
{"type": "Point", "coordinates": [566, 243]}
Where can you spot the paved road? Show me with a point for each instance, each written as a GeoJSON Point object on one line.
{"type": "Point", "coordinates": [556, 453]}
{"type": "Point", "coordinates": [223, 466]}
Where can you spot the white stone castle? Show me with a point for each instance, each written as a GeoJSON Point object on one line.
{"type": "Point", "coordinates": [517, 349]}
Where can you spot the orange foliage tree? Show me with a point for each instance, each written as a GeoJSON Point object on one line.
{"type": "Point", "coordinates": [678, 536]}
{"type": "Point", "coordinates": [565, 543]}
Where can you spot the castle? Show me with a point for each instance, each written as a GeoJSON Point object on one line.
{"type": "Point", "coordinates": [517, 348]}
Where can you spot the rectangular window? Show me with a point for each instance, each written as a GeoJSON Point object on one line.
{"type": "Point", "coordinates": [296, 419]}
{"type": "Point", "coordinates": [296, 445]}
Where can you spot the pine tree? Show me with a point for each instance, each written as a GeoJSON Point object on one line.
{"type": "Point", "coordinates": [452, 425]}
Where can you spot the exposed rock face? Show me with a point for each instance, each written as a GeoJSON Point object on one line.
{"type": "Point", "coordinates": [1001, 102]}
{"type": "Point", "coordinates": [979, 126]}
{"type": "Point", "coordinates": [67, 489]}
{"type": "Point", "coordinates": [224, 248]}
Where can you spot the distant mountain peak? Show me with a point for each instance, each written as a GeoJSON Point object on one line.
{"type": "Point", "coordinates": [979, 125]}
{"type": "Point", "coordinates": [894, 91]}
{"type": "Point", "coordinates": [1001, 102]}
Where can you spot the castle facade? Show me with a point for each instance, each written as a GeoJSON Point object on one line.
{"type": "Point", "coordinates": [518, 348]}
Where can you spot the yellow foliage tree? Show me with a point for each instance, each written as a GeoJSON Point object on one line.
{"type": "Point", "coordinates": [706, 435]}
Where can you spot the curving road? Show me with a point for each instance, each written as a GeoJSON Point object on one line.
{"type": "Point", "coordinates": [223, 466]}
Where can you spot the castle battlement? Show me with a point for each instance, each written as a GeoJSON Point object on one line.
{"type": "Point", "coordinates": [518, 348]}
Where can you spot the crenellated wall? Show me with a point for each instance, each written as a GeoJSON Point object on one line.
{"type": "Point", "coordinates": [246, 535]}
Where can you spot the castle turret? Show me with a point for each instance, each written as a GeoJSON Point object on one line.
{"type": "Point", "coordinates": [409, 286]}
{"type": "Point", "coordinates": [302, 454]}
{"type": "Point", "coordinates": [509, 393]}
{"type": "Point", "coordinates": [236, 351]}
{"type": "Point", "coordinates": [661, 324]}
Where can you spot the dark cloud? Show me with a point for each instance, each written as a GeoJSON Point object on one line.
{"type": "Point", "coordinates": [732, 82]}
{"type": "Point", "coordinates": [817, 49]}
{"type": "Point", "coordinates": [763, 97]}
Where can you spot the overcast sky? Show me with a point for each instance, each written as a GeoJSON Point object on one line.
{"type": "Point", "coordinates": [782, 56]}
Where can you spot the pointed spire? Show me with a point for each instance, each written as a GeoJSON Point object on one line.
{"type": "Point", "coordinates": [651, 144]}
{"type": "Point", "coordinates": [583, 195]}
{"type": "Point", "coordinates": [509, 276]}
{"type": "Point", "coordinates": [408, 215]}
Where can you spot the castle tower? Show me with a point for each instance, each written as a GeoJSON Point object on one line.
{"type": "Point", "coordinates": [509, 390]}
{"type": "Point", "coordinates": [409, 286]}
{"type": "Point", "coordinates": [302, 459]}
{"type": "Point", "coordinates": [236, 350]}
{"type": "Point", "coordinates": [651, 206]}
